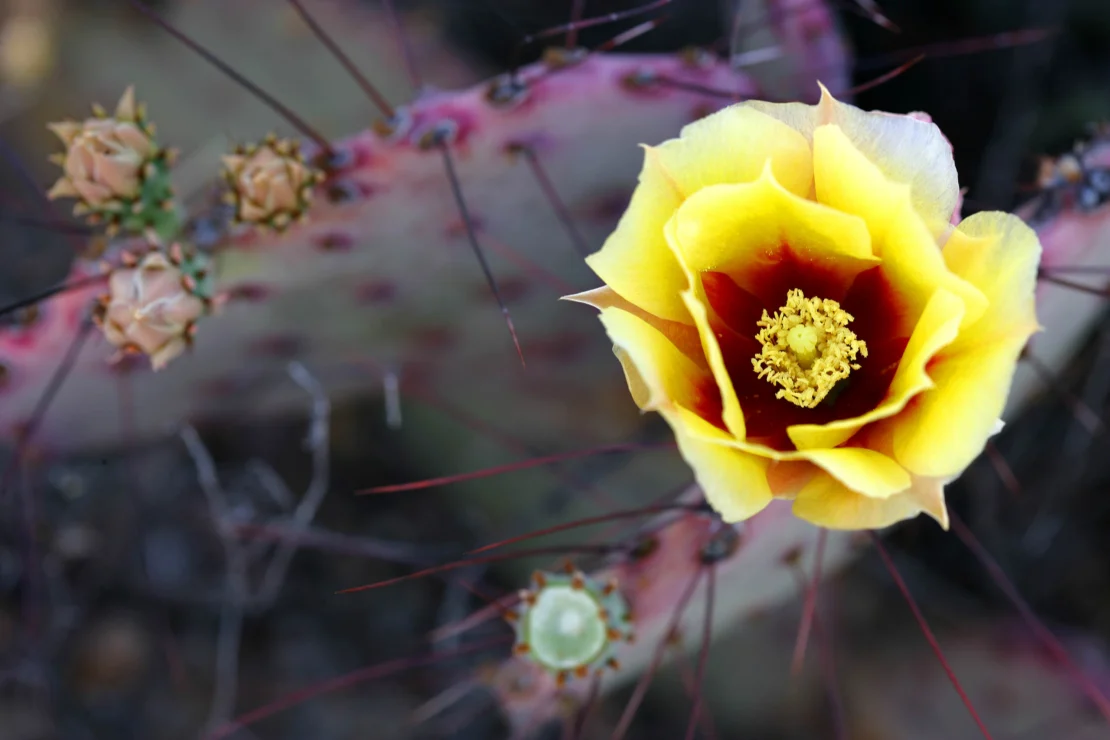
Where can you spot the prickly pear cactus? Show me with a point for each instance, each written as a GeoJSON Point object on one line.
{"type": "Point", "coordinates": [379, 273]}
{"type": "Point", "coordinates": [357, 257]}
{"type": "Point", "coordinates": [667, 579]}
{"type": "Point", "coordinates": [1072, 217]}
{"type": "Point", "coordinates": [387, 244]}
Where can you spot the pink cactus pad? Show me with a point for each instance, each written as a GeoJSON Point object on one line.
{"type": "Point", "coordinates": [755, 569]}
{"type": "Point", "coordinates": [386, 218]}
{"type": "Point", "coordinates": [1075, 234]}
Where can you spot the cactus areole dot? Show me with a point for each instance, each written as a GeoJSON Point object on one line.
{"type": "Point", "coordinates": [570, 625]}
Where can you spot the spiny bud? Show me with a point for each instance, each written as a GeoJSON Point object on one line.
{"type": "Point", "coordinates": [152, 306]}
{"type": "Point", "coordinates": [114, 168]}
{"type": "Point", "coordinates": [570, 624]}
{"type": "Point", "coordinates": [269, 184]}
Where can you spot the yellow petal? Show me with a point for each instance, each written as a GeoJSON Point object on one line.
{"type": "Point", "coordinates": [847, 180]}
{"type": "Point", "coordinates": [734, 145]}
{"type": "Point", "coordinates": [999, 254]}
{"type": "Point", "coordinates": [863, 471]}
{"type": "Point", "coordinates": [659, 375]}
{"type": "Point", "coordinates": [937, 328]}
{"type": "Point", "coordinates": [635, 260]}
{"type": "Point", "coordinates": [941, 431]}
{"type": "Point", "coordinates": [682, 335]}
{"type": "Point", "coordinates": [827, 502]}
{"type": "Point", "coordinates": [733, 228]}
{"type": "Point", "coordinates": [731, 413]}
{"type": "Point", "coordinates": [928, 493]}
{"type": "Point", "coordinates": [599, 298]}
{"type": "Point", "coordinates": [637, 386]}
{"type": "Point", "coordinates": [905, 150]}
{"type": "Point", "coordinates": [734, 482]}
{"type": "Point", "coordinates": [787, 477]}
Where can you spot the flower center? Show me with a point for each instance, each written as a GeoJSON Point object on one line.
{"type": "Point", "coordinates": [807, 348]}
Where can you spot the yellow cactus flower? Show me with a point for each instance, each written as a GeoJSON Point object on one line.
{"type": "Point", "coordinates": [788, 290]}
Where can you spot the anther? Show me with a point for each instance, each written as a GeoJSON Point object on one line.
{"type": "Point", "coordinates": [807, 348]}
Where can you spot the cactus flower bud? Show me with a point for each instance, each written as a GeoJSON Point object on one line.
{"type": "Point", "coordinates": [104, 157]}
{"type": "Point", "coordinates": [270, 184]}
{"type": "Point", "coordinates": [114, 168]}
{"type": "Point", "coordinates": [571, 625]}
{"type": "Point", "coordinates": [151, 309]}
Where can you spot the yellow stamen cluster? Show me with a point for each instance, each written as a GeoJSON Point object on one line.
{"type": "Point", "coordinates": [807, 348]}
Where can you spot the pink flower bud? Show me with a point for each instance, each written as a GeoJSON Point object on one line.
{"type": "Point", "coordinates": [149, 310]}
{"type": "Point", "coordinates": [270, 184]}
{"type": "Point", "coordinates": [104, 157]}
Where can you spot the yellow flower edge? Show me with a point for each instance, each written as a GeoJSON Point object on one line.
{"type": "Point", "coordinates": [788, 290]}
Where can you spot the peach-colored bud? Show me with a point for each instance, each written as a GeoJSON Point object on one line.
{"type": "Point", "coordinates": [270, 184]}
{"type": "Point", "coordinates": [149, 310]}
{"type": "Point", "coordinates": [104, 157]}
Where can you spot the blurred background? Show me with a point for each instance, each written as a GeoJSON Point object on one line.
{"type": "Point", "coordinates": [110, 623]}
